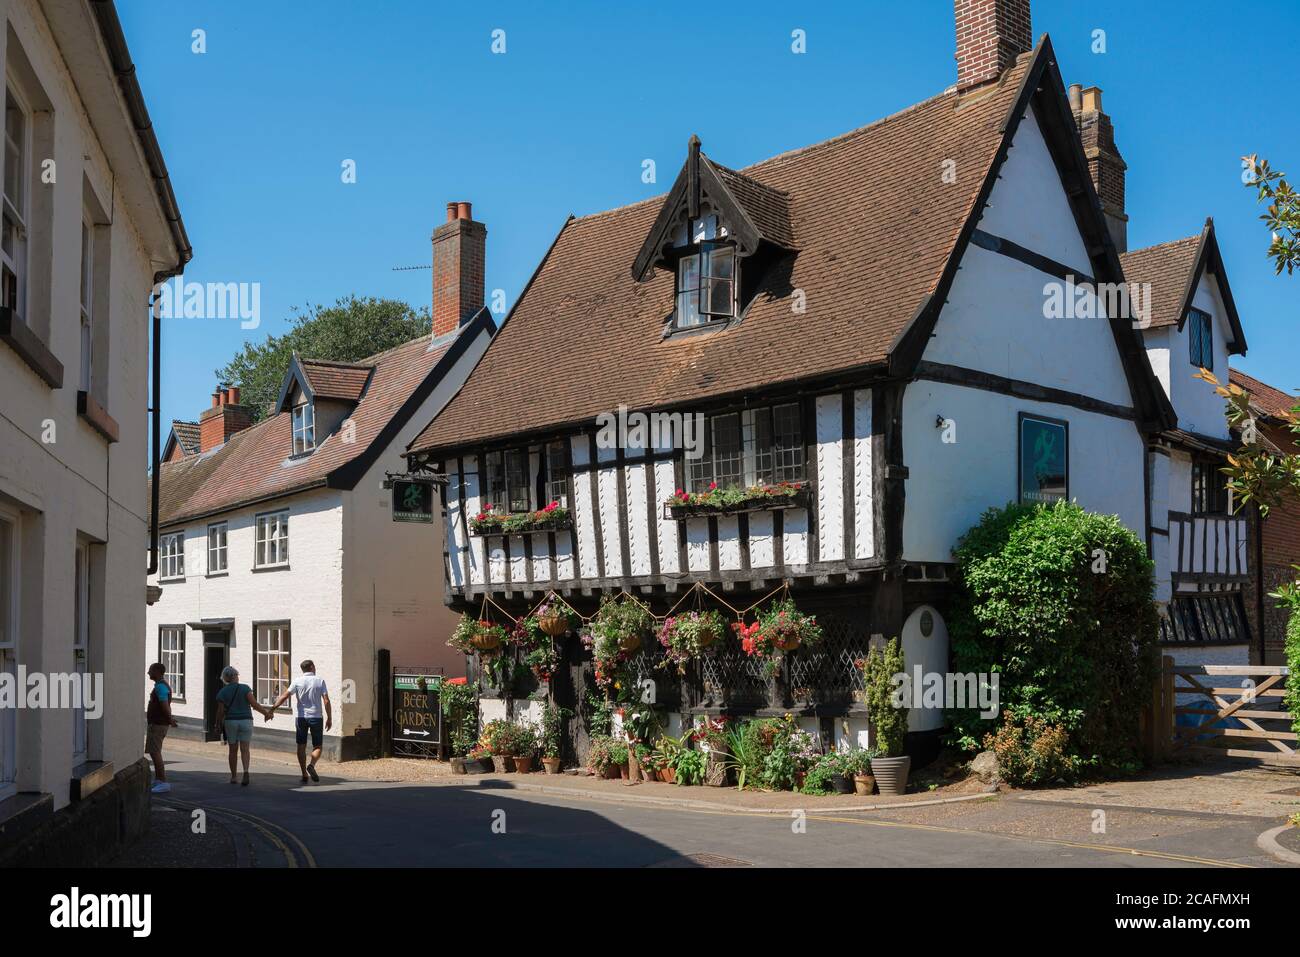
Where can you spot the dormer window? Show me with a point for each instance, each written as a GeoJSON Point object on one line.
{"type": "Point", "coordinates": [304, 426]}
{"type": "Point", "coordinates": [706, 285]}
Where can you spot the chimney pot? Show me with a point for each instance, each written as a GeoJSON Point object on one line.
{"type": "Point", "coordinates": [232, 395]}
{"type": "Point", "coordinates": [1092, 100]}
{"type": "Point", "coordinates": [1076, 97]}
{"type": "Point", "coordinates": [451, 211]}
{"type": "Point", "coordinates": [216, 398]}
{"type": "Point", "coordinates": [464, 211]}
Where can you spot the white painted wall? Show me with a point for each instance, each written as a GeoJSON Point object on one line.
{"type": "Point", "coordinates": [951, 485]}
{"type": "Point", "coordinates": [73, 488]}
{"type": "Point", "coordinates": [308, 595]}
{"type": "Point", "coordinates": [1198, 407]}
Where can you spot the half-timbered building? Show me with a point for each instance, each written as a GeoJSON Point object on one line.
{"type": "Point", "coordinates": [869, 318]}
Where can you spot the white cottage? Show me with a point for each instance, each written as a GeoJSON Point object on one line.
{"type": "Point", "coordinates": [876, 320]}
{"type": "Point", "coordinates": [289, 539]}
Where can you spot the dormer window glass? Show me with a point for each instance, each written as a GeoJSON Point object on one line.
{"type": "Point", "coordinates": [706, 285]}
{"type": "Point", "coordinates": [304, 427]}
{"type": "Point", "coordinates": [1200, 334]}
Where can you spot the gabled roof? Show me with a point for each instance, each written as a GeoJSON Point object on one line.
{"type": "Point", "coordinates": [255, 465]}
{"type": "Point", "coordinates": [336, 380]}
{"type": "Point", "coordinates": [879, 240]}
{"type": "Point", "coordinates": [754, 212]}
{"type": "Point", "coordinates": [1174, 270]}
{"type": "Point", "coordinates": [184, 434]}
{"type": "Point", "coordinates": [1271, 402]}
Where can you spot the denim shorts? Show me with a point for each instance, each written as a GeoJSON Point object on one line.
{"type": "Point", "coordinates": [315, 725]}
{"type": "Point", "coordinates": [239, 730]}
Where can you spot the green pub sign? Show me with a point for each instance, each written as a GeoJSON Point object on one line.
{"type": "Point", "coordinates": [412, 501]}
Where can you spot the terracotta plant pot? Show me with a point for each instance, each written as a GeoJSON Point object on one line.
{"type": "Point", "coordinates": [891, 774]}
{"type": "Point", "coordinates": [611, 772]}
{"type": "Point", "coordinates": [457, 765]}
{"type": "Point", "coordinates": [554, 625]}
{"type": "Point", "coordinates": [478, 766]}
{"type": "Point", "coordinates": [667, 775]}
{"type": "Point", "coordinates": [788, 645]}
{"type": "Point", "coordinates": [863, 783]}
{"type": "Point", "coordinates": [524, 763]}
{"type": "Point", "coordinates": [629, 643]}
{"type": "Point", "coordinates": [648, 775]}
{"type": "Point", "coordinates": [622, 771]}
{"type": "Point", "coordinates": [552, 765]}
{"type": "Point", "coordinates": [841, 784]}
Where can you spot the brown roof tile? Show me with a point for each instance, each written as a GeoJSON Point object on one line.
{"type": "Point", "coordinates": [1269, 400]}
{"type": "Point", "coordinates": [1168, 268]}
{"type": "Point", "coordinates": [875, 226]}
{"type": "Point", "coordinates": [255, 464]}
{"type": "Point", "coordinates": [335, 380]}
{"type": "Point", "coordinates": [187, 435]}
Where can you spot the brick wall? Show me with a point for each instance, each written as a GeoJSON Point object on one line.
{"type": "Point", "coordinates": [459, 249]}
{"type": "Point", "coordinates": [990, 34]}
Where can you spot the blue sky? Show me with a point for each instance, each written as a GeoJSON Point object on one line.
{"type": "Point", "coordinates": [255, 129]}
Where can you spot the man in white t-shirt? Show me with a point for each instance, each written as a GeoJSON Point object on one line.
{"type": "Point", "coordinates": [312, 699]}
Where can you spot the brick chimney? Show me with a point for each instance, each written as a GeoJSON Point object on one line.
{"type": "Point", "coordinates": [223, 419]}
{"type": "Point", "coordinates": [459, 247]}
{"type": "Point", "coordinates": [990, 35]}
{"type": "Point", "coordinates": [1105, 164]}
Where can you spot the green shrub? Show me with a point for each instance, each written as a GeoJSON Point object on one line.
{"type": "Point", "coordinates": [888, 720]}
{"type": "Point", "coordinates": [1032, 752]}
{"type": "Point", "coordinates": [1292, 698]}
{"type": "Point", "coordinates": [1058, 600]}
{"type": "Point", "coordinates": [460, 711]}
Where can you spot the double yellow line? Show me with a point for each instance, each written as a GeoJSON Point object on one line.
{"type": "Point", "coordinates": [267, 829]}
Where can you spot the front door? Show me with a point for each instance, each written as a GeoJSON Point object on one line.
{"type": "Point", "coordinates": [215, 659]}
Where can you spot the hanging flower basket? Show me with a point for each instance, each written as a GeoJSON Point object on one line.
{"type": "Point", "coordinates": [615, 634]}
{"type": "Point", "coordinates": [686, 636]}
{"type": "Point", "coordinates": [629, 643]}
{"type": "Point", "coordinates": [554, 623]}
{"type": "Point", "coordinates": [781, 627]}
{"type": "Point", "coordinates": [477, 636]}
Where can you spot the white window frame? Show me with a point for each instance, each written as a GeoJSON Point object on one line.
{"type": "Point", "coordinates": [272, 666]}
{"type": "Point", "coordinates": [304, 427]}
{"type": "Point", "coordinates": [87, 302]}
{"type": "Point", "coordinates": [81, 648]}
{"type": "Point", "coordinates": [10, 590]}
{"type": "Point", "coordinates": [171, 557]}
{"type": "Point", "coordinates": [16, 208]}
{"type": "Point", "coordinates": [219, 553]}
{"type": "Point", "coordinates": [171, 652]}
{"type": "Point", "coordinates": [271, 539]}
{"type": "Point", "coordinates": [557, 472]}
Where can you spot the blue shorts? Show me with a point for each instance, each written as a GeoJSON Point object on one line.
{"type": "Point", "coordinates": [316, 726]}
{"type": "Point", "coordinates": [239, 730]}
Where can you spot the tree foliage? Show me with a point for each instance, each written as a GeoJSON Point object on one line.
{"type": "Point", "coordinates": [1058, 601]}
{"type": "Point", "coordinates": [348, 331]}
{"type": "Point", "coordinates": [1282, 217]}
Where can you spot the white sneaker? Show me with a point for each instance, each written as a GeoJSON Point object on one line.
{"type": "Point", "coordinates": [160, 787]}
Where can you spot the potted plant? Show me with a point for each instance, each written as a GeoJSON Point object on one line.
{"type": "Point", "coordinates": [688, 767]}
{"type": "Point", "coordinates": [497, 740]}
{"type": "Point", "coordinates": [478, 760]}
{"type": "Point", "coordinates": [523, 745]}
{"type": "Point", "coordinates": [686, 636]}
{"type": "Point", "coordinates": [713, 736]}
{"type": "Point", "coordinates": [888, 717]}
{"type": "Point", "coordinates": [666, 750]}
{"type": "Point", "coordinates": [857, 764]}
{"type": "Point", "coordinates": [607, 757]}
{"type": "Point", "coordinates": [459, 703]}
{"type": "Point", "coordinates": [477, 636]}
{"type": "Point", "coordinates": [555, 618]}
{"type": "Point", "coordinates": [614, 634]}
{"type": "Point", "coordinates": [552, 736]}
{"type": "Point", "coordinates": [780, 628]}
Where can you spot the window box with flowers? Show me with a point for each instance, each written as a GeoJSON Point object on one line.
{"type": "Point", "coordinates": [716, 500]}
{"type": "Point", "coordinates": [553, 518]}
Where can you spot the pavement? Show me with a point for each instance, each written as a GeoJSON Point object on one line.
{"type": "Point", "coordinates": [411, 813]}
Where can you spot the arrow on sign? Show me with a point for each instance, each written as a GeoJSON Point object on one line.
{"type": "Point", "coordinates": [409, 731]}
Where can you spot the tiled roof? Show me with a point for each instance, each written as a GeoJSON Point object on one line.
{"type": "Point", "coordinates": [335, 380]}
{"type": "Point", "coordinates": [187, 435]}
{"type": "Point", "coordinates": [1168, 268]}
{"type": "Point", "coordinates": [255, 464]}
{"type": "Point", "coordinates": [875, 226]}
{"type": "Point", "coordinates": [767, 206]}
{"type": "Point", "coordinates": [1271, 401]}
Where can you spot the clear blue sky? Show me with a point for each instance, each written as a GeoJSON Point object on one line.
{"type": "Point", "coordinates": [255, 130]}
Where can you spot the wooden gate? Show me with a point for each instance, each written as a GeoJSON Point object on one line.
{"type": "Point", "coordinates": [1200, 708]}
